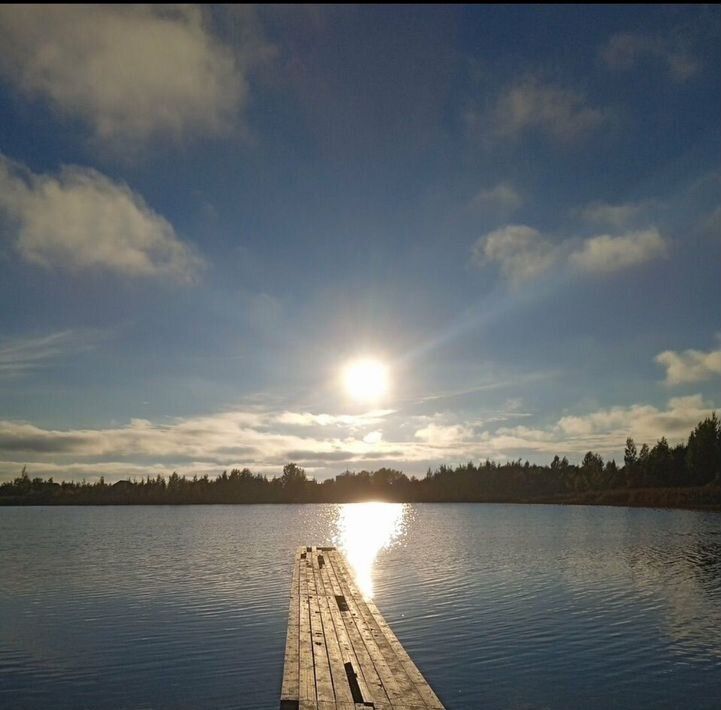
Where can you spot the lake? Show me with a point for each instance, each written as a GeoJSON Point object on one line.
{"type": "Point", "coordinates": [500, 606]}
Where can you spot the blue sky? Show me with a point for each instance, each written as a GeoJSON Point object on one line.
{"type": "Point", "coordinates": [205, 213]}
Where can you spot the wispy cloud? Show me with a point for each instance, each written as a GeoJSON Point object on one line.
{"type": "Point", "coordinates": [444, 435]}
{"type": "Point", "coordinates": [501, 199]}
{"type": "Point", "coordinates": [132, 73]}
{"type": "Point", "coordinates": [533, 104]}
{"type": "Point", "coordinates": [625, 50]}
{"type": "Point", "coordinates": [82, 220]}
{"type": "Point", "coordinates": [711, 224]}
{"type": "Point", "coordinates": [619, 216]}
{"type": "Point", "coordinates": [305, 419]}
{"type": "Point", "coordinates": [24, 353]}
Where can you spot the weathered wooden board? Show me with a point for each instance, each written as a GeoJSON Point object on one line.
{"type": "Point", "coordinates": [340, 653]}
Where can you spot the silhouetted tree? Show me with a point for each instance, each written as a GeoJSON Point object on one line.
{"type": "Point", "coordinates": [293, 476]}
{"type": "Point", "coordinates": [703, 454]}
{"type": "Point", "coordinates": [691, 466]}
{"type": "Point", "coordinates": [630, 455]}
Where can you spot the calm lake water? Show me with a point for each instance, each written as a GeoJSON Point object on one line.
{"type": "Point", "coordinates": [500, 606]}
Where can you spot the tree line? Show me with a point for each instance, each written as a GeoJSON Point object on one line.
{"type": "Point", "coordinates": [662, 474]}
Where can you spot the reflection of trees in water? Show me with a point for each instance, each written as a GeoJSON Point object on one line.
{"type": "Point", "coordinates": [686, 577]}
{"type": "Point", "coordinates": [694, 601]}
{"type": "Point", "coordinates": [707, 563]}
{"type": "Point", "coordinates": [664, 567]}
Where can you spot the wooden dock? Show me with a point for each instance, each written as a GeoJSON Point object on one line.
{"type": "Point", "coordinates": [340, 654]}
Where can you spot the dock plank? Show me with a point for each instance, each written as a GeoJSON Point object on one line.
{"type": "Point", "coordinates": [404, 687]}
{"type": "Point", "coordinates": [340, 653]}
{"type": "Point", "coordinates": [290, 689]}
{"type": "Point", "coordinates": [393, 647]}
{"type": "Point", "coordinates": [306, 690]}
{"type": "Point", "coordinates": [389, 680]}
{"type": "Point", "coordinates": [323, 681]}
{"type": "Point", "coordinates": [335, 657]}
{"type": "Point", "coordinates": [364, 665]}
{"type": "Point", "coordinates": [365, 679]}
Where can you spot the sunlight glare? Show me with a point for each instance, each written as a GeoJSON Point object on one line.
{"type": "Point", "coordinates": [364, 529]}
{"type": "Point", "coordinates": [366, 380]}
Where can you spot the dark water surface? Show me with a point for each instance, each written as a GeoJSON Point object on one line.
{"type": "Point", "coordinates": [500, 606]}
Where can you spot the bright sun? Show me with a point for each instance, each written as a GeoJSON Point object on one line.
{"type": "Point", "coordinates": [366, 380]}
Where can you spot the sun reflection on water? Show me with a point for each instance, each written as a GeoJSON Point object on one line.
{"type": "Point", "coordinates": [363, 530]}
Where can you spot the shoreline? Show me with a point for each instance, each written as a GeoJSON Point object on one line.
{"type": "Point", "coordinates": [702, 498]}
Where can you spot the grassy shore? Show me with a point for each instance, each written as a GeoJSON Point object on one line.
{"type": "Point", "coordinates": [689, 498]}
{"type": "Point", "coordinates": [692, 498]}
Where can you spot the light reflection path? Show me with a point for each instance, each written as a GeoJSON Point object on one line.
{"type": "Point", "coordinates": [363, 530]}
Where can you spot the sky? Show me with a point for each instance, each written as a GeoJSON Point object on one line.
{"type": "Point", "coordinates": [206, 212]}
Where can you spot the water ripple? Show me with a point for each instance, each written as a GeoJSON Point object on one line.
{"type": "Point", "coordinates": [500, 606]}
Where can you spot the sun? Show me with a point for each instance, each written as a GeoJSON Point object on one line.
{"type": "Point", "coordinates": [366, 379]}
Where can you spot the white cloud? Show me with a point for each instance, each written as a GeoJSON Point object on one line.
{"type": "Point", "coordinates": [503, 198]}
{"type": "Point", "coordinates": [256, 439]}
{"type": "Point", "coordinates": [81, 219]}
{"type": "Point", "coordinates": [531, 104]}
{"type": "Point", "coordinates": [603, 431]}
{"type": "Point", "coordinates": [641, 421]}
{"type": "Point", "coordinates": [373, 437]}
{"type": "Point", "coordinates": [305, 419]}
{"type": "Point", "coordinates": [521, 252]}
{"type": "Point", "coordinates": [690, 365]}
{"type": "Point", "coordinates": [261, 438]}
{"type": "Point", "coordinates": [626, 49]}
{"type": "Point", "coordinates": [132, 72]}
{"type": "Point", "coordinates": [444, 435]}
{"type": "Point", "coordinates": [607, 253]}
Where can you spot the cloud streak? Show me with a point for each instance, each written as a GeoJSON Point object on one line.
{"type": "Point", "coordinates": [20, 354]}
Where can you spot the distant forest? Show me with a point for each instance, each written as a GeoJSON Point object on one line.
{"type": "Point", "coordinates": [686, 475]}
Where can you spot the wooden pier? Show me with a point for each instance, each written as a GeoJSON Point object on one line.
{"type": "Point", "coordinates": [340, 654]}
